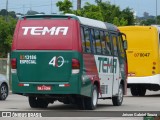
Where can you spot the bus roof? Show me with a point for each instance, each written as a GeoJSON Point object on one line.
{"type": "Point", "coordinates": [136, 27]}
{"type": "Point", "coordinates": [95, 23]}
{"type": "Point", "coordinates": [82, 20]}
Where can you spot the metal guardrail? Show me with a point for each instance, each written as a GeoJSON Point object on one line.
{"type": "Point", "coordinates": [3, 66]}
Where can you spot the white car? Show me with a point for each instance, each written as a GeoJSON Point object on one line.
{"type": "Point", "coordinates": [4, 87]}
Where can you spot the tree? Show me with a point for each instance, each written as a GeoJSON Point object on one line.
{"type": "Point", "coordinates": [31, 12]}
{"type": "Point", "coordinates": [109, 11]}
{"type": "Point", "coordinates": [64, 6]}
{"type": "Point", "coordinates": [127, 14]}
{"type": "Point", "coordinates": [98, 1]}
{"type": "Point", "coordinates": [120, 21]}
{"type": "Point", "coordinates": [12, 14]}
{"type": "Point", "coordinates": [3, 12]}
{"type": "Point", "coordinates": [148, 22]}
{"type": "Point", "coordinates": [103, 11]}
{"type": "Point", "coordinates": [158, 19]}
{"type": "Point", "coordinates": [91, 11]}
{"type": "Point", "coordinates": [6, 34]}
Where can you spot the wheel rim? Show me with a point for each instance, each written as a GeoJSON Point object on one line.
{"type": "Point", "coordinates": [4, 92]}
{"type": "Point", "coordinates": [120, 96]}
{"type": "Point", "coordinates": [95, 97]}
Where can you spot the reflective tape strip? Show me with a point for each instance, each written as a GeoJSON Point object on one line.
{"type": "Point", "coordinates": [61, 85]}
{"type": "Point", "coordinates": [64, 85]}
{"type": "Point", "coordinates": [26, 84]}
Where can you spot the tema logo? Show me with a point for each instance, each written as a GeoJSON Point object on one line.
{"type": "Point", "coordinates": [45, 30]}
{"type": "Point", "coordinates": [107, 65]}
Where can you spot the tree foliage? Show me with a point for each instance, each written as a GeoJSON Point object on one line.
{"type": "Point", "coordinates": [127, 14]}
{"type": "Point", "coordinates": [64, 6]}
{"type": "Point", "coordinates": [149, 20]}
{"type": "Point", "coordinates": [6, 34]}
{"type": "Point", "coordinates": [103, 11]}
{"type": "Point", "coordinates": [90, 11]}
{"type": "Point", "coordinates": [4, 12]}
{"type": "Point", "coordinates": [32, 12]}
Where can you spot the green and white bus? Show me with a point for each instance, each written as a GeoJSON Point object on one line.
{"type": "Point", "coordinates": [68, 58]}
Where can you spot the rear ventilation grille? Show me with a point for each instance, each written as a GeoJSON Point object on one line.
{"type": "Point", "coordinates": [104, 89]}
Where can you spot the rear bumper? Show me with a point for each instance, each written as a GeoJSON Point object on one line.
{"type": "Point", "coordinates": [74, 86]}
{"type": "Point", "coordinates": [155, 79]}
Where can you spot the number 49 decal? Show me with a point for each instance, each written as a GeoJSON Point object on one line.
{"type": "Point", "coordinates": [57, 61]}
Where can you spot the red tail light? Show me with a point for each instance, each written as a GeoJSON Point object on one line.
{"type": "Point", "coordinates": [75, 66]}
{"type": "Point", "coordinates": [14, 63]}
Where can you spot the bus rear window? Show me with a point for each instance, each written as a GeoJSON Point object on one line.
{"type": "Point", "coordinates": [44, 34]}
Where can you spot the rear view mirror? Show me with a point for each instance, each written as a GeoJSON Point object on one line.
{"type": "Point", "coordinates": [125, 45]}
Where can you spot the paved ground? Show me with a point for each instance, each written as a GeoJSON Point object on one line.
{"type": "Point", "coordinates": [150, 102]}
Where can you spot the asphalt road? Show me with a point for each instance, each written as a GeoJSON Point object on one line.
{"type": "Point", "coordinates": [150, 102]}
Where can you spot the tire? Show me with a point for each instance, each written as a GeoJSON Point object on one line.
{"type": "Point", "coordinates": [117, 100]}
{"type": "Point", "coordinates": [91, 102]}
{"type": "Point", "coordinates": [35, 102]}
{"type": "Point", "coordinates": [3, 92]}
{"type": "Point", "coordinates": [80, 101]}
{"type": "Point", "coordinates": [142, 91]}
{"type": "Point", "coordinates": [138, 90]}
{"type": "Point", "coordinates": [66, 102]}
{"type": "Point", "coordinates": [134, 90]}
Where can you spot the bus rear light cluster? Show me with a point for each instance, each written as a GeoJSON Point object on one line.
{"type": "Point", "coordinates": [154, 68]}
{"type": "Point", "coordinates": [64, 85]}
{"type": "Point", "coordinates": [21, 85]}
{"type": "Point", "coordinates": [154, 63]}
{"type": "Point", "coordinates": [75, 66]}
{"type": "Point", "coordinates": [153, 72]}
{"type": "Point", "coordinates": [14, 63]}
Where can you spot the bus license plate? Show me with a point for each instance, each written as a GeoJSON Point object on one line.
{"type": "Point", "coordinates": [44, 88]}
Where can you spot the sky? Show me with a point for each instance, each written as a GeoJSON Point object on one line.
{"type": "Point", "coordinates": [49, 6]}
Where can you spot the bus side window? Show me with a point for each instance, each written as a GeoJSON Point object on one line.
{"type": "Point", "coordinates": [120, 47]}
{"type": "Point", "coordinates": [114, 39]}
{"type": "Point", "coordinates": [103, 42]}
{"type": "Point", "coordinates": [83, 40]}
{"type": "Point", "coordinates": [108, 44]}
{"type": "Point", "coordinates": [98, 42]}
{"type": "Point", "coordinates": [93, 42]}
{"type": "Point", "coordinates": [88, 44]}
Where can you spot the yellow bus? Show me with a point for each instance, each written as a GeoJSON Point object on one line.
{"type": "Point", "coordinates": [143, 56]}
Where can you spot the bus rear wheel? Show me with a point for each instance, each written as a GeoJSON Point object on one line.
{"type": "Point", "coordinates": [138, 90]}
{"type": "Point", "coordinates": [117, 100]}
{"type": "Point", "coordinates": [91, 102]}
{"type": "Point", "coordinates": [142, 91]}
{"type": "Point", "coordinates": [134, 91]}
{"type": "Point", "coordinates": [35, 102]}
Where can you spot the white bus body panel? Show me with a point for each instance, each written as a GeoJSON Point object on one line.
{"type": "Point", "coordinates": [109, 81]}
{"type": "Point", "coordinates": [155, 79]}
